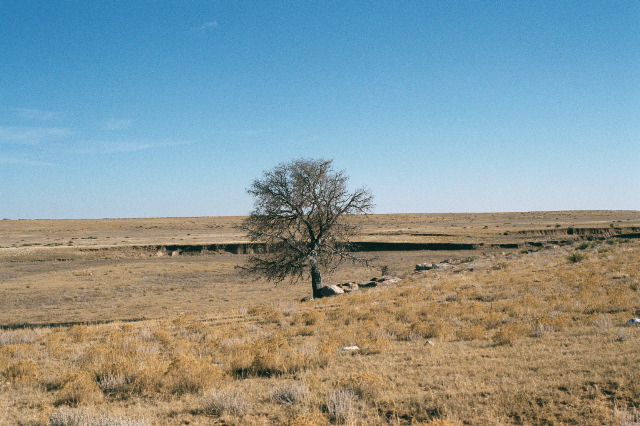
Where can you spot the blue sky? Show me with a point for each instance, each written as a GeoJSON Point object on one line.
{"type": "Point", "coordinates": [171, 108]}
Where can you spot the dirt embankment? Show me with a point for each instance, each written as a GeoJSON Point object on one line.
{"type": "Point", "coordinates": [621, 232]}
{"type": "Point", "coordinates": [570, 235]}
{"type": "Point", "coordinates": [514, 240]}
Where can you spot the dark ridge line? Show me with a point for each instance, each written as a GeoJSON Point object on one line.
{"type": "Point", "coordinates": [366, 246]}
{"type": "Point", "coordinates": [356, 246]}
{"type": "Point", "coordinates": [580, 231]}
{"type": "Point", "coordinates": [631, 235]}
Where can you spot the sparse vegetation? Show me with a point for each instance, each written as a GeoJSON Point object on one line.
{"type": "Point", "coordinates": [576, 257]}
{"type": "Point", "coordinates": [507, 338]}
{"type": "Point", "coordinates": [300, 214]}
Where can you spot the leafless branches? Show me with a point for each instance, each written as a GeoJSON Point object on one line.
{"type": "Point", "coordinates": [299, 213]}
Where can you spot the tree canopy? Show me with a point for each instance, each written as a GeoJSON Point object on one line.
{"type": "Point", "coordinates": [299, 213]}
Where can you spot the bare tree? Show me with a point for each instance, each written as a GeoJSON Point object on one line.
{"type": "Point", "coordinates": [299, 213]}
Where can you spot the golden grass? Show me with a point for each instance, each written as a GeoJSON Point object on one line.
{"type": "Point", "coordinates": [106, 273]}
{"type": "Point", "coordinates": [506, 339]}
{"type": "Point", "coordinates": [424, 227]}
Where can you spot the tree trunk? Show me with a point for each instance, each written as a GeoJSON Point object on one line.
{"type": "Point", "coordinates": [316, 276]}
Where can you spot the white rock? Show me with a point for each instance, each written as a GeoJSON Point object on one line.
{"type": "Point", "coordinates": [331, 290]}
{"type": "Point", "coordinates": [350, 349]}
{"type": "Point", "coordinates": [633, 321]}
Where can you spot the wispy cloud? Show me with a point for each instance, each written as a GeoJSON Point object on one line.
{"type": "Point", "coordinates": [115, 147]}
{"type": "Point", "coordinates": [24, 162]}
{"type": "Point", "coordinates": [32, 114]}
{"type": "Point", "coordinates": [118, 124]}
{"type": "Point", "coordinates": [205, 26]}
{"type": "Point", "coordinates": [31, 135]}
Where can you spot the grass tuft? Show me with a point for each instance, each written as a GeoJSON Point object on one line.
{"type": "Point", "coordinates": [225, 402]}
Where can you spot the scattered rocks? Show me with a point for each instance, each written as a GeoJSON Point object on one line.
{"type": "Point", "coordinates": [331, 290]}
{"type": "Point", "coordinates": [430, 266]}
{"type": "Point", "coordinates": [349, 287]}
{"type": "Point", "coordinates": [334, 290]}
{"type": "Point", "coordinates": [375, 281]}
{"type": "Point", "coordinates": [424, 266]}
{"type": "Point", "coordinates": [620, 276]}
{"type": "Point", "coordinates": [388, 280]}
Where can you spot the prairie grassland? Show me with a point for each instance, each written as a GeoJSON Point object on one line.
{"type": "Point", "coordinates": [515, 338]}
{"type": "Point", "coordinates": [62, 271]}
{"type": "Point", "coordinates": [423, 227]}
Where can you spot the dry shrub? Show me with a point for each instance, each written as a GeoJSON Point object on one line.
{"type": "Point", "coordinates": [82, 417]}
{"type": "Point", "coordinates": [306, 331]}
{"type": "Point", "coordinates": [626, 416]}
{"type": "Point", "coordinates": [229, 401]}
{"type": "Point", "coordinates": [78, 333]}
{"type": "Point", "coordinates": [311, 318]}
{"type": "Point", "coordinates": [374, 345]}
{"type": "Point", "coordinates": [283, 361]}
{"type": "Point", "coordinates": [19, 350]}
{"type": "Point", "coordinates": [364, 385]}
{"type": "Point", "coordinates": [539, 330]}
{"type": "Point", "coordinates": [406, 315]}
{"type": "Point", "coordinates": [22, 371]}
{"type": "Point", "coordinates": [269, 314]}
{"type": "Point", "coordinates": [309, 419]}
{"type": "Point", "coordinates": [509, 334]}
{"type": "Point", "coordinates": [188, 374]}
{"type": "Point", "coordinates": [13, 337]}
{"type": "Point", "coordinates": [115, 377]}
{"type": "Point", "coordinates": [240, 359]}
{"type": "Point", "coordinates": [163, 336]}
{"type": "Point", "coordinates": [397, 331]}
{"type": "Point", "coordinates": [430, 330]}
{"type": "Point", "coordinates": [473, 332]}
{"type": "Point", "coordinates": [556, 323]}
{"type": "Point", "coordinates": [101, 354]}
{"type": "Point", "coordinates": [115, 383]}
{"type": "Point", "coordinates": [79, 389]}
{"type": "Point", "coordinates": [290, 393]}
{"type": "Point", "coordinates": [576, 257]}
{"type": "Point", "coordinates": [69, 417]}
{"type": "Point", "coordinates": [342, 406]}
{"type": "Point", "coordinates": [182, 319]}
{"type": "Point", "coordinates": [274, 357]}
{"type": "Point", "coordinates": [441, 422]}
{"type": "Point", "coordinates": [492, 319]}
{"type": "Point", "coordinates": [122, 374]}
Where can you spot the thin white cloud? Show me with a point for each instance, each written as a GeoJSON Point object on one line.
{"type": "Point", "coordinates": [253, 132]}
{"type": "Point", "coordinates": [31, 135]}
{"type": "Point", "coordinates": [118, 124]}
{"type": "Point", "coordinates": [116, 147]}
{"type": "Point", "coordinates": [205, 26]}
{"type": "Point", "coordinates": [33, 114]}
{"type": "Point", "coordinates": [24, 162]}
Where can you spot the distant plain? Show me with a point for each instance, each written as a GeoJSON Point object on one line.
{"type": "Point", "coordinates": [149, 322]}
{"type": "Point", "coordinates": [63, 271]}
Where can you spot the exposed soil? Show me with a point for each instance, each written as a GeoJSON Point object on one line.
{"type": "Point", "coordinates": [85, 271]}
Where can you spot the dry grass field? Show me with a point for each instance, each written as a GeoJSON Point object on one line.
{"type": "Point", "coordinates": [528, 327]}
